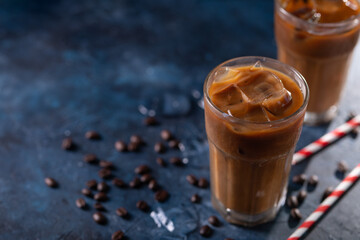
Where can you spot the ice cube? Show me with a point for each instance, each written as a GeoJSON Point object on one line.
{"type": "Point", "coordinates": [231, 100]}
{"type": "Point", "coordinates": [225, 74]}
{"type": "Point", "coordinates": [277, 103]}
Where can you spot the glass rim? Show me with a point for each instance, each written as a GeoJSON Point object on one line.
{"type": "Point", "coordinates": [262, 59]}
{"type": "Point", "coordinates": [355, 20]}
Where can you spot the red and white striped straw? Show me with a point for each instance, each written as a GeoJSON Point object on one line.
{"type": "Point", "coordinates": [327, 203]}
{"type": "Point", "coordinates": [325, 140]}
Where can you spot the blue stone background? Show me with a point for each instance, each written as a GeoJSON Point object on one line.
{"type": "Point", "coordinates": [70, 66]}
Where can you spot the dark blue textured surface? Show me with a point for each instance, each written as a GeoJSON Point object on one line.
{"type": "Point", "coordinates": [70, 66]}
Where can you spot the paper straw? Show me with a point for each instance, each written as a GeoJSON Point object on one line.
{"type": "Point", "coordinates": [325, 140]}
{"type": "Point", "coordinates": [327, 203]}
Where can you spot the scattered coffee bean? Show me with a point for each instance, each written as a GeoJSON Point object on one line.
{"type": "Point", "coordinates": [342, 167]}
{"type": "Point", "coordinates": [106, 164]}
{"type": "Point", "coordinates": [105, 173]}
{"type": "Point", "coordinates": [161, 162]}
{"type": "Point", "coordinates": [68, 144]}
{"type": "Point", "coordinates": [51, 182]}
{"type": "Point", "coordinates": [159, 147]}
{"type": "Point", "coordinates": [142, 205]}
{"type": "Point", "coordinates": [136, 139]}
{"type": "Point", "coordinates": [195, 198]}
{"type": "Point", "coordinates": [213, 220]}
{"type": "Point", "coordinates": [326, 193]}
{"type": "Point", "coordinates": [80, 203]}
{"type": "Point", "coordinates": [135, 183]}
{"type": "Point", "coordinates": [99, 218]}
{"type": "Point", "coordinates": [153, 185]}
{"type": "Point", "coordinates": [313, 180]}
{"type": "Point", "coordinates": [119, 183]}
{"type": "Point", "coordinates": [102, 187]}
{"type": "Point", "coordinates": [87, 192]}
{"type": "Point", "coordinates": [122, 212]}
{"type": "Point", "coordinates": [146, 178]}
{"type": "Point", "coordinates": [174, 144]}
{"type": "Point", "coordinates": [301, 196]}
{"type": "Point", "coordinates": [120, 146]}
{"type": "Point", "coordinates": [98, 206]}
{"type": "Point", "coordinates": [165, 135]}
{"type": "Point", "coordinates": [161, 195]}
{"type": "Point", "coordinates": [118, 235]}
{"type": "Point", "coordinates": [90, 158]}
{"type": "Point", "coordinates": [92, 135]}
{"type": "Point", "coordinates": [142, 169]}
{"type": "Point", "coordinates": [101, 197]}
{"type": "Point", "coordinates": [176, 161]}
{"type": "Point", "coordinates": [292, 202]}
{"type": "Point", "coordinates": [299, 179]}
{"type": "Point", "coordinates": [133, 147]}
{"type": "Point", "coordinates": [202, 183]}
{"type": "Point", "coordinates": [228, 239]}
{"type": "Point", "coordinates": [192, 179]}
{"type": "Point", "coordinates": [354, 132]}
{"type": "Point", "coordinates": [295, 213]}
{"type": "Point", "coordinates": [205, 231]}
{"type": "Point", "coordinates": [150, 121]}
{"type": "Point", "coordinates": [92, 184]}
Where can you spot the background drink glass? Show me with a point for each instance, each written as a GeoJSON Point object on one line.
{"type": "Point", "coordinates": [321, 52]}
{"type": "Point", "coordinates": [250, 161]}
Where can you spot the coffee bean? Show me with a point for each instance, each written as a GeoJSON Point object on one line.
{"type": "Point", "coordinates": [161, 195]}
{"type": "Point", "coordinates": [174, 144]}
{"type": "Point", "coordinates": [122, 212]}
{"type": "Point", "coordinates": [146, 178]}
{"type": "Point", "coordinates": [213, 220]}
{"type": "Point", "coordinates": [205, 231]}
{"type": "Point", "coordinates": [195, 198]}
{"type": "Point", "coordinates": [165, 135]}
{"type": "Point", "coordinates": [191, 179]}
{"type": "Point", "coordinates": [135, 183]}
{"type": "Point", "coordinates": [86, 192]}
{"type": "Point", "coordinates": [203, 183]}
{"type": "Point", "coordinates": [80, 203]}
{"type": "Point", "coordinates": [51, 182]}
{"type": "Point", "coordinates": [68, 144]}
{"type": "Point", "coordinates": [292, 202]}
{"type": "Point", "coordinates": [153, 185]}
{"type": "Point", "coordinates": [159, 147]}
{"type": "Point", "coordinates": [313, 180]}
{"type": "Point", "coordinates": [142, 169]}
{"type": "Point", "coordinates": [161, 162]}
{"type": "Point", "coordinates": [120, 146]}
{"type": "Point", "coordinates": [342, 167]}
{"type": "Point", "coordinates": [106, 164]}
{"type": "Point", "coordinates": [176, 161]}
{"type": "Point", "coordinates": [295, 213]}
{"type": "Point", "coordinates": [92, 135]}
{"type": "Point", "coordinates": [98, 206]}
{"type": "Point", "coordinates": [118, 235]}
{"type": "Point", "coordinates": [301, 196]}
{"type": "Point", "coordinates": [133, 147]}
{"type": "Point", "coordinates": [102, 187]}
{"type": "Point", "coordinates": [90, 158]}
{"type": "Point", "coordinates": [228, 239]}
{"type": "Point", "coordinates": [119, 183]}
{"type": "Point", "coordinates": [354, 132]}
{"type": "Point", "coordinates": [136, 139]}
{"type": "Point", "coordinates": [92, 184]}
{"type": "Point", "coordinates": [326, 193]}
{"type": "Point", "coordinates": [150, 121]}
{"type": "Point", "coordinates": [105, 173]}
{"type": "Point", "coordinates": [299, 179]}
{"type": "Point", "coordinates": [101, 197]}
{"type": "Point", "coordinates": [142, 205]}
{"type": "Point", "coordinates": [99, 218]}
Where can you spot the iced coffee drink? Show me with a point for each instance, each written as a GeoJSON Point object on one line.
{"type": "Point", "coordinates": [254, 110]}
{"type": "Point", "coordinates": [317, 37]}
